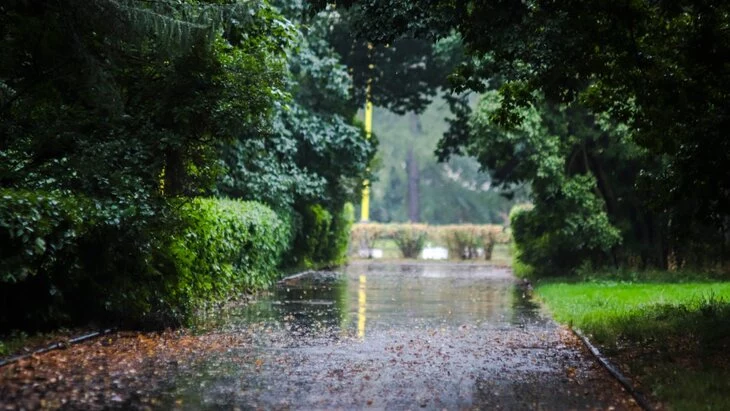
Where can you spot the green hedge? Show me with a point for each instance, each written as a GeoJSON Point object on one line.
{"type": "Point", "coordinates": [322, 238]}
{"type": "Point", "coordinates": [339, 236]}
{"type": "Point", "coordinates": [227, 246]}
{"type": "Point", "coordinates": [462, 240]}
{"type": "Point", "coordinates": [65, 259]}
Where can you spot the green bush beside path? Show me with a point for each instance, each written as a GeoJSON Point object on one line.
{"type": "Point", "coordinates": [66, 260]}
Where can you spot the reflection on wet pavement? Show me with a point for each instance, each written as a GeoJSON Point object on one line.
{"type": "Point", "coordinates": [384, 336]}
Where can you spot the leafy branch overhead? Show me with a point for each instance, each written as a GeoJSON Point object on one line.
{"type": "Point", "coordinates": [630, 94]}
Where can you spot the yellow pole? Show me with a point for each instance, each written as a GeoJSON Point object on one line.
{"type": "Point", "coordinates": [365, 208]}
{"type": "Point", "coordinates": [365, 204]}
{"type": "Point", "coordinates": [361, 307]}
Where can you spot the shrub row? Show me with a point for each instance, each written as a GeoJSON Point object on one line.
{"type": "Point", "coordinates": [463, 241]}
{"type": "Point", "coordinates": [39, 236]}
{"type": "Point", "coordinates": [410, 238]}
{"type": "Point", "coordinates": [322, 238]}
{"type": "Point", "coordinates": [225, 247]}
{"type": "Point", "coordinates": [65, 259]}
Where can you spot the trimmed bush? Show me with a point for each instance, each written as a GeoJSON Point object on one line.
{"type": "Point", "coordinates": [465, 240]}
{"type": "Point", "coordinates": [322, 238]}
{"type": "Point", "coordinates": [228, 246]}
{"type": "Point", "coordinates": [312, 237]}
{"type": "Point", "coordinates": [364, 235]}
{"type": "Point", "coordinates": [67, 260]}
{"type": "Point", "coordinates": [462, 241]}
{"type": "Point", "coordinates": [489, 239]}
{"type": "Point", "coordinates": [410, 238]}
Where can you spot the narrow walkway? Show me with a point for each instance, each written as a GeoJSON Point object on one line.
{"type": "Point", "coordinates": [426, 336]}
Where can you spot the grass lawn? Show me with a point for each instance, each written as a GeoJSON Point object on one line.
{"type": "Point", "coordinates": [671, 338]}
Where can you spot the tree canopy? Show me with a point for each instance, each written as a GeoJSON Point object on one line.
{"type": "Point", "coordinates": [654, 71]}
{"type": "Point", "coordinates": [117, 116]}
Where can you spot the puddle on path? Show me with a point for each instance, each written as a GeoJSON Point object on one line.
{"type": "Point", "coordinates": [433, 336]}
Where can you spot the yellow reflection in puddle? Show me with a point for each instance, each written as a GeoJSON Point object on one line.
{"type": "Point", "coordinates": [361, 312]}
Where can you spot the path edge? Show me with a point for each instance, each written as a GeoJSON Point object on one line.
{"type": "Point", "coordinates": [614, 371]}
{"type": "Point", "coordinates": [56, 346]}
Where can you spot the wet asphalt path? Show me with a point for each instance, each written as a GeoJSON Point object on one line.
{"type": "Point", "coordinates": [380, 336]}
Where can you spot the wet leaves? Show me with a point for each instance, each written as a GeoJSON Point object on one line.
{"type": "Point", "coordinates": [121, 370]}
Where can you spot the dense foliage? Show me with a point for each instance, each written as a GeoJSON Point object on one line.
{"type": "Point", "coordinates": [467, 241]}
{"type": "Point", "coordinates": [313, 159]}
{"type": "Point", "coordinates": [237, 245]}
{"type": "Point", "coordinates": [322, 237]}
{"type": "Point", "coordinates": [117, 116]}
{"type": "Point", "coordinates": [631, 100]}
{"type": "Point", "coordinates": [67, 259]}
{"type": "Point", "coordinates": [570, 223]}
{"type": "Point", "coordinates": [39, 233]}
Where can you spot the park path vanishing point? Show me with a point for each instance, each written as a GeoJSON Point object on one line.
{"type": "Point", "coordinates": [378, 336]}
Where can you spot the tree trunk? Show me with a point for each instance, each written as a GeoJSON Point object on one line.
{"type": "Point", "coordinates": [604, 184]}
{"type": "Point", "coordinates": [174, 172]}
{"type": "Point", "coordinates": [415, 124]}
{"type": "Point", "coordinates": [414, 205]}
{"type": "Point", "coordinates": [413, 181]}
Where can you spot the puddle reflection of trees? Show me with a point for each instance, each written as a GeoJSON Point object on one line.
{"type": "Point", "coordinates": [313, 309]}
{"type": "Point", "coordinates": [384, 297]}
{"type": "Point", "coordinates": [432, 296]}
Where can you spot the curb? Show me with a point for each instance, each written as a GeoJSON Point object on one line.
{"type": "Point", "coordinates": [56, 346]}
{"type": "Point", "coordinates": [625, 382]}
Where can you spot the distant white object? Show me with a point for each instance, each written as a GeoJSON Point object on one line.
{"type": "Point", "coordinates": [370, 253]}
{"type": "Point", "coordinates": [435, 253]}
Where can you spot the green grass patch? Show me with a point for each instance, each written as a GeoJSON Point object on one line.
{"type": "Point", "coordinates": [608, 310]}
{"type": "Point", "coordinates": [672, 338]}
